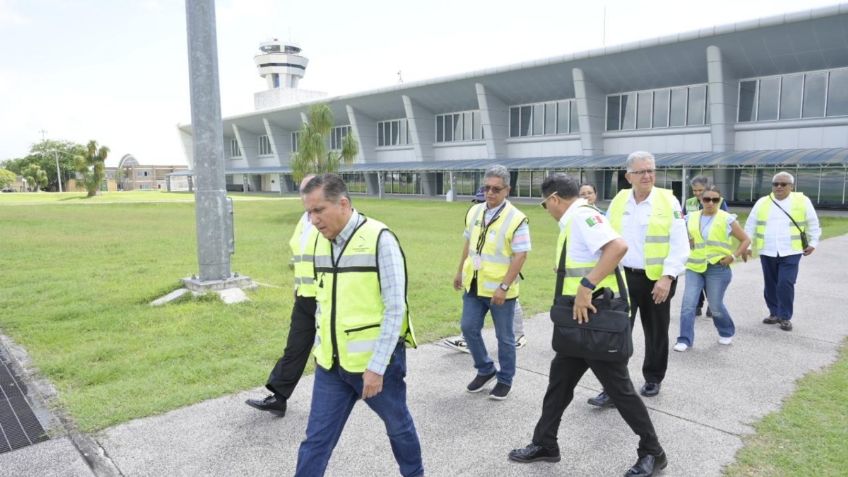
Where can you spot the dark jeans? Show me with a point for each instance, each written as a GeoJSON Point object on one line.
{"type": "Point", "coordinates": [289, 367]}
{"type": "Point", "coordinates": [564, 376]}
{"type": "Point", "coordinates": [655, 320]}
{"type": "Point", "coordinates": [333, 396]}
{"type": "Point", "coordinates": [779, 275]}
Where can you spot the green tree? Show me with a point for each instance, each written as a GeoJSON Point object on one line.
{"type": "Point", "coordinates": [91, 166]}
{"type": "Point", "coordinates": [7, 178]}
{"type": "Point", "coordinates": [35, 176]}
{"type": "Point", "coordinates": [312, 156]}
{"type": "Point", "coordinates": [44, 154]}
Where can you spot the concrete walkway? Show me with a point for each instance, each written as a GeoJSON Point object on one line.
{"type": "Point", "coordinates": [710, 398]}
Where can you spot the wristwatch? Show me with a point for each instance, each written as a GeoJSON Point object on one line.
{"type": "Point", "coordinates": [586, 283]}
{"type": "Point", "coordinates": [504, 287]}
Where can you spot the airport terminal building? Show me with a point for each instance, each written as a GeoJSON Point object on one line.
{"type": "Point", "coordinates": [736, 102]}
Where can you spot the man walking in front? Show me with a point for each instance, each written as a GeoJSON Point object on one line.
{"type": "Point", "coordinates": [497, 239]}
{"type": "Point", "coordinates": [784, 227]}
{"type": "Point", "coordinates": [593, 250]}
{"type": "Point", "coordinates": [650, 220]}
{"type": "Point", "coordinates": [363, 327]}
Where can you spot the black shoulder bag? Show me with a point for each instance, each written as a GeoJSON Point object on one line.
{"type": "Point", "coordinates": [606, 336]}
{"type": "Point", "coordinates": [804, 242]}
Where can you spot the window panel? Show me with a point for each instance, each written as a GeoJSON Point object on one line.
{"type": "Point", "coordinates": [514, 125]}
{"type": "Point", "coordinates": [837, 93]}
{"type": "Point", "coordinates": [747, 101]}
{"type": "Point", "coordinates": [468, 125]}
{"type": "Point", "coordinates": [768, 98]}
{"type": "Point", "coordinates": [526, 120]}
{"type": "Point", "coordinates": [628, 111]}
{"type": "Point", "coordinates": [573, 121]}
{"type": "Point", "coordinates": [814, 87]}
{"type": "Point", "coordinates": [660, 113]}
{"type": "Point", "coordinates": [457, 127]}
{"type": "Point", "coordinates": [477, 131]}
{"type": "Point", "coordinates": [697, 104]}
{"type": "Point", "coordinates": [440, 124]}
{"type": "Point", "coordinates": [790, 97]}
{"type": "Point", "coordinates": [643, 110]}
{"type": "Point", "coordinates": [832, 186]}
{"type": "Point", "coordinates": [448, 127]}
{"type": "Point", "coordinates": [395, 130]}
{"type": "Point", "coordinates": [613, 113]}
{"type": "Point", "coordinates": [550, 118]}
{"type": "Point", "coordinates": [538, 119]}
{"type": "Point", "coordinates": [404, 131]}
{"type": "Point", "coordinates": [562, 117]}
{"type": "Point", "coordinates": [677, 115]}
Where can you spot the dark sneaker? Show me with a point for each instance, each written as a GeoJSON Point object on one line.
{"type": "Point", "coordinates": [271, 404]}
{"type": "Point", "coordinates": [499, 392]}
{"type": "Point", "coordinates": [458, 343]}
{"type": "Point", "coordinates": [601, 400]}
{"type": "Point", "coordinates": [650, 389]}
{"type": "Point", "coordinates": [770, 320]}
{"type": "Point", "coordinates": [520, 342]}
{"type": "Point", "coordinates": [534, 453]}
{"type": "Point", "coordinates": [785, 325]}
{"type": "Point", "coordinates": [476, 385]}
{"type": "Point", "coordinates": [648, 465]}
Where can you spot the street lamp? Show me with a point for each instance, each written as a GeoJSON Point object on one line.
{"type": "Point", "coordinates": [58, 172]}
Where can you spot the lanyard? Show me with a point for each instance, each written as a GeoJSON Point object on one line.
{"type": "Point", "coordinates": [481, 240]}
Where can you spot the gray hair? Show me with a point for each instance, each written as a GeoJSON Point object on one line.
{"type": "Point", "coordinates": [700, 180]}
{"type": "Point", "coordinates": [564, 185]}
{"type": "Point", "coordinates": [498, 171]}
{"type": "Point", "coordinates": [638, 156]}
{"type": "Point", "coordinates": [333, 186]}
{"type": "Point", "coordinates": [784, 174]}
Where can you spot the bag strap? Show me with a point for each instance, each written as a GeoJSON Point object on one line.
{"type": "Point", "coordinates": [622, 287]}
{"type": "Point", "coordinates": [787, 214]}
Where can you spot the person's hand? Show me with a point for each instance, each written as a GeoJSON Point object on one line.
{"type": "Point", "coordinates": [726, 261]}
{"type": "Point", "coordinates": [583, 304]}
{"type": "Point", "coordinates": [747, 254]}
{"type": "Point", "coordinates": [499, 297]}
{"type": "Point", "coordinates": [809, 250]}
{"type": "Point", "coordinates": [372, 384]}
{"type": "Point", "coordinates": [457, 281]}
{"type": "Point", "coordinates": [661, 289]}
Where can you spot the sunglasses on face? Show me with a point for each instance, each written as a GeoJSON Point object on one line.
{"type": "Point", "coordinates": [714, 200]}
{"type": "Point", "coordinates": [780, 184]}
{"type": "Point", "coordinates": [495, 189]}
{"type": "Point", "coordinates": [544, 202]}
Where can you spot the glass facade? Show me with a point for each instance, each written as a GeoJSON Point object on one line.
{"type": "Point", "coordinates": [265, 146]}
{"type": "Point", "coordinates": [544, 119]}
{"type": "Point", "coordinates": [235, 150]}
{"type": "Point", "coordinates": [661, 108]}
{"type": "Point", "coordinates": [814, 94]}
{"type": "Point", "coordinates": [337, 135]}
{"type": "Point", "coordinates": [458, 127]}
{"type": "Point", "coordinates": [295, 141]}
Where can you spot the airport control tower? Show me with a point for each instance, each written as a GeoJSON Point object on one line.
{"type": "Point", "coordinates": [282, 66]}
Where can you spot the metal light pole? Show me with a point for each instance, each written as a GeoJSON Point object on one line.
{"type": "Point", "coordinates": [58, 172]}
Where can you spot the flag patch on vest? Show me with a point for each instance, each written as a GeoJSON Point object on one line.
{"type": "Point", "coordinates": [677, 214]}
{"type": "Point", "coordinates": [595, 220]}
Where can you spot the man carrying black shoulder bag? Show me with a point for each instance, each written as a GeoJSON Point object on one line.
{"type": "Point", "coordinates": [591, 327]}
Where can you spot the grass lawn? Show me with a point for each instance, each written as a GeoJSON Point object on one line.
{"type": "Point", "coordinates": [78, 280]}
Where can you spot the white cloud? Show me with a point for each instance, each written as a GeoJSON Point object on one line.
{"type": "Point", "coordinates": [9, 15]}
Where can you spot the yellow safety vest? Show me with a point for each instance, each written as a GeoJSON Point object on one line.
{"type": "Point", "coordinates": [575, 271]}
{"type": "Point", "coordinates": [716, 246]}
{"type": "Point", "coordinates": [657, 240]}
{"type": "Point", "coordinates": [798, 212]}
{"type": "Point", "coordinates": [302, 247]}
{"type": "Point", "coordinates": [494, 249]}
{"type": "Point", "coordinates": [351, 305]}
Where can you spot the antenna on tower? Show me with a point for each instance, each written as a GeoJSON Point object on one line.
{"type": "Point", "coordinates": [400, 77]}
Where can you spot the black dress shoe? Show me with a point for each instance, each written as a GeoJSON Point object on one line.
{"type": "Point", "coordinates": [601, 400]}
{"type": "Point", "coordinates": [650, 389]}
{"type": "Point", "coordinates": [534, 453]}
{"type": "Point", "coordinates": [271, 404]}
{"type": "Point", "coordinates": [785, 325]}
{"type": "Point", "coordinates": [647, 466]}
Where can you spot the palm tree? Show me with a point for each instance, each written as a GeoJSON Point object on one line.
{"type": "Point", "coordinates": [91, 166]}
{"type": "Point", "coordinates": [312, 156]}
{"type": "Point", "coordinates": [35, 176]}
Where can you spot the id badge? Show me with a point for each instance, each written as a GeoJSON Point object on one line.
{"type": "Point", "coordinates": [476, 262]}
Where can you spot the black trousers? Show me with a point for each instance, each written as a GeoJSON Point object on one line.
{"type": "Point", "coordinates": [655, 319]}
{"type": "Point", "coordinates": [289, 367]}
{"type": "Point", "coordinates": [566, 373]}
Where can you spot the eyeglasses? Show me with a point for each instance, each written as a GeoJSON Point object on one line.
{"type": "Point", "coordinates": [544, 202]}
{"type": "Point", "coordinates": [495, 189]}
{"type": "Point", "coordinates": [643, 172]}
{"type": "Point", "coordinates": [714, 200]}
{"type": "Point", "coordinates": [780, 184]}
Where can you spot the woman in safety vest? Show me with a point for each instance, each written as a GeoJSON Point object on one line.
{"type": "Point", "coordinates": [708, 266]}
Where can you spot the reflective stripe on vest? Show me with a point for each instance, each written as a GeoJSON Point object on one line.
{"type": "Point", "coordinates": [798, 211]}
{"type": "Point", "coordinates": [657, 240]}
{"type": "Point", "coordinates": [714, 248]}
{"type": "Point", "coordinates": [575, 271]}
{"type": "Point", "coordinates": [351, 307]}
{"type": "Point", "coordinates": [302, 244]}
{"type": "Point", "coordinates": [496, 254]}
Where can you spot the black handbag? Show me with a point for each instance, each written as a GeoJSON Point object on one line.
{"type": "Point", "coordinates": [606, 336]}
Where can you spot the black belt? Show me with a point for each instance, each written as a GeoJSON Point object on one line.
{"type": "Point", "coordinates": [638, 271]}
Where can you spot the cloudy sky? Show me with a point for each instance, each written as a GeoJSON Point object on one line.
{"type": "Point", "coordinates": [117, 71]}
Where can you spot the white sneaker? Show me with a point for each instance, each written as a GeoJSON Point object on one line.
{"type": "Point", "coordinates": [457, 342]}
{"type": "Point", "coordinates": [725, 341]}
{"type": "Point", "coordinates": [520, 342]}
{"type": "Point", "coordinates": [681, 347]}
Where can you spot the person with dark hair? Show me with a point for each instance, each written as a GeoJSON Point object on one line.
{"type": "Point", "coordinates": [590, 193]}
{"type": "Point", "coordinates": [591, 244]}
{"type": "Point", "coordinates": [289, 368]}
{"type": "Point", "coordinates": [363, 328]}
{"type": "Point", "coordinates": [710, 233]}
{"type": "Point", "coordinates": [693, 204]}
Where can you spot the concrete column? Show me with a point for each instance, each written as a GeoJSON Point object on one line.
{"type": "Point", "coordinates": [373, 184]}
{"type": "Point", "coordinates": [422, 129]}
{"type": "Point", "coordinates": [248, 143]}
{"type": "Point", "coordinates": [722, 100]}
{"type": "Point", "coordinates": [591, 105]}
{"type": "Point", "coordinates": [211, 209]}
{"type": "Point", "coordinates": [280, 142]}
{"type": "Point", "coordinates": [494, 117]}
{"type": "Point", "coordinates": [364, 130]}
